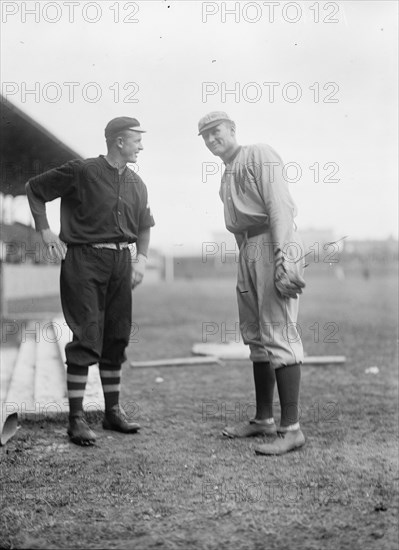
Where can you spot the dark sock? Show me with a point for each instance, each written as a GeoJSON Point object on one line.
{"type": "Point", "coordinates": [111, 382]}
{"type": "Point", "coordinates": [264, 378]}
{"type": "Point", "coordinates": [288, 382]}
{"type": "Point", "coordinates": [76, 384]}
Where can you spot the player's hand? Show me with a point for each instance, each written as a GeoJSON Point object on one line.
{"type": "Point", "coordinates": [139, 265]}
{"type": "Point", "coordinates": [289, 283]}
{"type": "Point", "coordinates": [56, 249]}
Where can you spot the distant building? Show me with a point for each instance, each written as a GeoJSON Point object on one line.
{"type": "Point", "coordinates": [372, 252]}
{"type": "Point", "coordinates": [26, 149]}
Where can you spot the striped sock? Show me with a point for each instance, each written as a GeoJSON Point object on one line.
{"type": "Point", "coordinates": [111, 382]}
{"type": "Point", "coordinates": [76, 384]}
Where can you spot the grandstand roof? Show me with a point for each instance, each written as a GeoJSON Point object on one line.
{"type": "Point", "coordinates": [26, 149]}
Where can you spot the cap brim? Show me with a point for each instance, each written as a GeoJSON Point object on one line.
{"type": "Point", "coordinates": [212, 125]}
{"type": "Point", "coordinates": [137, 129]}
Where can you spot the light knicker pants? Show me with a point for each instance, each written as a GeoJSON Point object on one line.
{"type": "Point", "coordinates": [268, 322]}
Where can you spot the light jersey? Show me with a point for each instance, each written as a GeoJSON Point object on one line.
{"type": "Point", "coordinates": [255, 193]}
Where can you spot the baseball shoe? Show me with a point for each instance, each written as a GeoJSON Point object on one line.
{"type": "Point", "coordinates": [285, 442]}
{"type": "Point", "coordinates": [116, 419]}
{"type": "Point", "coordinates": [255, 427]}
{"type": "Point", "coordinates": [79, 431]}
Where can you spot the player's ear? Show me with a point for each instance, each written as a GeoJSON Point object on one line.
{"type": "Point", "coordinates": [119, 142]}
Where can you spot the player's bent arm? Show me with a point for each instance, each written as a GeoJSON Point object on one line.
{"type": "Point", "coordinates": [38, 209]}
{"type": "Point", "coordinates": [281, 211]}
{"type": "Point", "coordinates": [143, 242]}
{"type": "Point", "coordinates": [276, 196]}
{"type": "Point", "coordinates": [140, 263]}
{"type": "Point", "coordinates": [56, 248]}
{"type": "Point", "coordinates": [239, 239]}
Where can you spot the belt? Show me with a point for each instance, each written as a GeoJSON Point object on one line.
{"type": "Point", "coordinates": [257, 230]}
{"type": "Point", "coordinates": [112, 246]}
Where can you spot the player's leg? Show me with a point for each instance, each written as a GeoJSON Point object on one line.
{"type": "Point", "coordinates": [288, 385]}
{"type": "Point", "coordinates": [263, 373]}
{"type": "Point", "coordinates": [286, 354]}
{"type": "Point", "coordinates": [264, 378]}
{"type": "Point", "coordinates": [254, 329]}
{"type": "Point", "coordinates": [84, 279]}
{"type": "Point", "coordinates": [117, 328]}
{"type": "Point", "coordinates": [290, 435]}
{"type": "Point", "coordinates": [78, 430]}
{"type": "Point", "coordinates": [83, 283]}
{"type": "Point", "coordinates": [279, 332]}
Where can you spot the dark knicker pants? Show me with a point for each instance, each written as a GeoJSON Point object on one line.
{"type": "Point", "coordinates": [96, 297]}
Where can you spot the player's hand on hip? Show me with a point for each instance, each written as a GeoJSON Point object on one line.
{"type": "Point", "coordinates": [56, 249]}
{"type": "Point", "coordinates": [139, 265]}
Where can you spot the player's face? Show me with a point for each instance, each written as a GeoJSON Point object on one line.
{"type": "Point", "coordinates": [131, 146]}
{"type": "Point", "coordinates": [220, 140]}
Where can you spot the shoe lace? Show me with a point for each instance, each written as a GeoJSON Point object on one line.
{"type": "Point", "coordinates": [120, 413]}
{"type": "Point", "coordinates": [82, 420]}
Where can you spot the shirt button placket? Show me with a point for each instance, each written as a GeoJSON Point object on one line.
{"type": "Point", "coordinates": [119, 203]}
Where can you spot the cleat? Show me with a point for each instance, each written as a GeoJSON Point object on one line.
{"type": "Point", "coordinates": [255, 427]}
{"type": "Point", "coordinates": [116, 419]}
{"type": "Point", "coordinates": [79, 431]}
{"type": "Point", "coordinates": [285, 442]}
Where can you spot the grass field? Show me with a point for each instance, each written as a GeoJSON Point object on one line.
{"type": "Point", "coordinates": [179, 483]}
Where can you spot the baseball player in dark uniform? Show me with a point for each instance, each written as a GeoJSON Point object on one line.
{"type": "Point", "coordinates": [104, 209]}
{"type": "Point", "coordinates": [259, 210]}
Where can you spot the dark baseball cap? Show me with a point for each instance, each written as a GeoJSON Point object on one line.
{"type": "Point", "coordinates": [120, 124]}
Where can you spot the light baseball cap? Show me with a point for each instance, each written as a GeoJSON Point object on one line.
{"type": "Point", "coordinates": [212, 119]}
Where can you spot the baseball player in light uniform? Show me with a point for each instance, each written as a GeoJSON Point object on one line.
{"type": "Point", "coordinates": [259, 210]}
{"type": "Point", "coordinates": [104, 208]}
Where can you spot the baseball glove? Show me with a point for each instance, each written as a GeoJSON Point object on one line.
{"type": "Point", "coordinates": [287, 279]}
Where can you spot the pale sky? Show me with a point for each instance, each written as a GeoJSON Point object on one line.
{"type": "Point", "coordinates": [341, 78]}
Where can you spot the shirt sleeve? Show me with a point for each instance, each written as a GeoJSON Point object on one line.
{"type": "Point", "coordinates": [55, 183]}
{"type": "Point", "coordinates": [279, 204]}
{"type": "Point", "coordinates": [38, 209]}
{"type": "Point", "coordinates": [146, 219]}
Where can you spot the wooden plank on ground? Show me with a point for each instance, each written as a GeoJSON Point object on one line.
{"type": "Point", "coordinates": [177, 362]}
{"type": "Point", "coordinates": [8, 357]}
{"type": "Point", "coordinates": [50, 381]}
{"type": "Point", "coordinates": [20, 395]}
{"type": "Point", "coordinates": [324, 360]}
{"type": "Point", "coordinates": [232, 350]}
{"type": "Point", "coordinates": [239, 351]}
{"type": "Point", "coordinates": [8, 418]}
